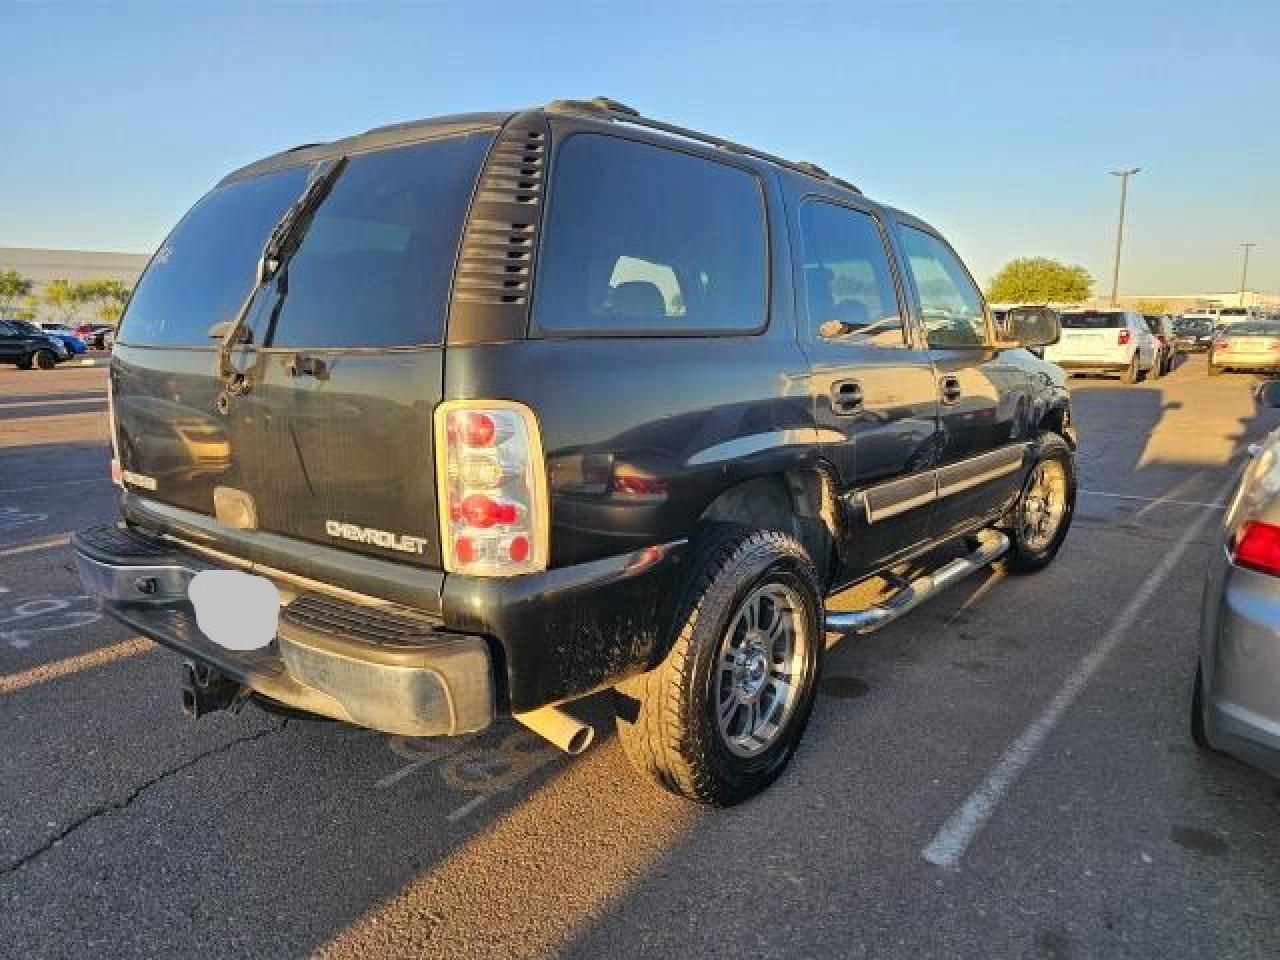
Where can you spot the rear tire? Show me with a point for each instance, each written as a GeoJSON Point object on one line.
{"type": "Point", "coordinates": [1157, 366]}
{"type": "Point", "coordinates": [679, 723]}
{"type": "Point", "coordinates": [45, 359]}
{"type": "Point", "coordinates": [1132, 374]}
{"type": "Point", "coordinates": [1038, 522]}
{"type": "Point", "coordinates": [25, 363]}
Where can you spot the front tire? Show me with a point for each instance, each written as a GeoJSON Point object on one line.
{"type": "Point", "coordinates": [1199, 735]}
{"type": "Point", "coordinates": [720, 717]}
{"type": "Point", "coordinates": [1038, 522]}
{"type": "Point", "coordinates": [45, 359]}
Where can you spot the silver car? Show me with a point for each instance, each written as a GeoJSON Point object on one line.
{"type": "Point", "coordinates": [1251, 345]}
{"type": "Point", "coordinates": [1235, 706]}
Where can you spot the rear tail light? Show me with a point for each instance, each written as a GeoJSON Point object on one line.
{"type": "Point", "coordinates": [1221, 345]}
{"type": "Point", "coordinates": [1258, 547]}
{"type": "Point", "coordinates": [493, 488]}
{"type": "Point", "coordinates": [1123, 338]}
{"type": "Point", "coordinates": [1160, 337]}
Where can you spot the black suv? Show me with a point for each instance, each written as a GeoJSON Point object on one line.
{"type": "Point", "coordinates": [479, 415]}
{"type": "Point", "coordinates": [26, 345]}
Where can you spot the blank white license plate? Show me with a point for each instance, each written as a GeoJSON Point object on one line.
{"type": "Point", "coordinates": [235, 610]}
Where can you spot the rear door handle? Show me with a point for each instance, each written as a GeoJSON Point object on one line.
{"type": "Point", "coordinates": [950, 389]}
{"type": "Point", "coordinates": [846, 397]}
{"type": "Point", "coordinates": [301, 365]}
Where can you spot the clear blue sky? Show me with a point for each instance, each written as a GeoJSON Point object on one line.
{"type": "Point", "coordinates": [997, 122]}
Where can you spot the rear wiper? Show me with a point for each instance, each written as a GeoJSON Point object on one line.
{"type": "Point", "coordinates": [281, 244]}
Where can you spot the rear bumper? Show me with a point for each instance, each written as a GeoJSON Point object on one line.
{"type": "Point", "coordinates": [375, 665]}
{"type": "Point", "coordinates": [1242, 668]}
{"type": "Point", "coordinates": [1095, 366]}
{"type": "Point", "coordinates": [1246, 361]}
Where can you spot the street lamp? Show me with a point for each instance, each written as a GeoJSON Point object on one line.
{"type": "Point", "coordinates": [1244, 271]}
{"type": "Point", "coordinates": [1124, 176]}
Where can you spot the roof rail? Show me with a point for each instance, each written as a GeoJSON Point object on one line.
{"type": "Point", "coordinates": [603, 108]}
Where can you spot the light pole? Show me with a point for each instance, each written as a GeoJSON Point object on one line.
{"type": "Point", "coordinates": [1244, 271]}
{"type": "Point", "coordinates": [1124, 176]}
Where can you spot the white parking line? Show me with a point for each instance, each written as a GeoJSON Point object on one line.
{"type": "Point", "coordinates": [951, 842]}
{"type": "Point", "coordinates": [36, 545]}
{"type": "Point", "coordinates": [16, 405]}
{"type": "Point", "coordinates": [1154, 500]}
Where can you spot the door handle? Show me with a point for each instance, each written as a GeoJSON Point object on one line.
{"type": "Point", "coordinates": [300, 365]}
{"type": "Point", "coordinates": [950, 389]}
{"type": "Point", "coordinates": [846, 397]}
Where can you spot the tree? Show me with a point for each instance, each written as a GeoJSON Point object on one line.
{"type": "Point", "coordinates": [109, 295]}
{"type": "Point", "coordinates": [14, 288]}
{"type": "Point", "coordinates": [64, 300]}
{"type": "Point", "coordinates": [1040, 280]}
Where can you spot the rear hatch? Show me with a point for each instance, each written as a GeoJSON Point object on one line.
{"type": "Point", "coordinates": [342, 355]}
{"type": "Point", "coordinates": [1252, 338]}
{"type": "Point", "coordinates": [1088, 335]}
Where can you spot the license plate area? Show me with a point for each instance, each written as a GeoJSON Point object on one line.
{"type": "Point", "coordinates": [236, 610]}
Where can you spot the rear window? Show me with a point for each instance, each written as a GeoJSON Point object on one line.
{"type": "Point", "coordinates": [1233, 312]}
{"type": "Point", "coordinates": [373, 268]}
{"type": "Point", "coordinates": [1255, 328]}
{"type": "Point", "coordinates": [641, 240]}
{"type": "Point", "coordinates": [1093, 320]}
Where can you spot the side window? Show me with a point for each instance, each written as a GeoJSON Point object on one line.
{"type": "Point", "coordinates": [849, 291]}
{"type": "Point", "coordinates": [641, 239]}
{"type": "Point", "coordinates": [950, 304]}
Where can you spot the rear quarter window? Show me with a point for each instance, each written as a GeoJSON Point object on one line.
{"type": "Point", "coordinates": [643, 240]}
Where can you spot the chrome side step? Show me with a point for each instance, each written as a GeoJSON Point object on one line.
{"type": "Point", "coordinates": [992, 545]}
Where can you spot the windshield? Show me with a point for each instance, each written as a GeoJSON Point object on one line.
{"type": "Point", "coordinates": [372, 270]}
{"type": "Point", "coordinates": [1093, 320]}
{"type": "Point", "coordinates": [1191, 326]}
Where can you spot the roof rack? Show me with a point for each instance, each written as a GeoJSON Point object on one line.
{"type": "Point", "coordinates": [603, 108]}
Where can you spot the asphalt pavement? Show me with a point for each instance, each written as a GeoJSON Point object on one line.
{"type": "Point", "coordinates": [1004, 773]}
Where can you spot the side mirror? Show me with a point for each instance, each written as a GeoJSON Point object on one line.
{"type": "Point", "coordinates": [1268, 394]}
{"type": "Point", "coordinates": [1028, 327]}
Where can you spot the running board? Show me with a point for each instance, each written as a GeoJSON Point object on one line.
{"type": "Point", "coordinates": [991, 545]}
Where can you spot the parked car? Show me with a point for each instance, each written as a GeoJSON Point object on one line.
{"type": "Point", "coordinates": [24, 345]}
{"type": "Point", "coordinates": [1252, 346]}
{"type": "Point", "coordinates": [674, 393]}
{"type": "Point", "coordinates": [97, 336]}
{"type": "Point", "coordinates": [1161, 328]}
{"type": "Point", "coordinates": [1193, 334]}
{"type": "Point", "coordinates": [1230, 316]}
{"type": "Point", "coordinates": [68, 337]}
{"type": "Point", "coordinates": [1234, 707]}
{"type": "Point", "coordinates": [1106, 341]}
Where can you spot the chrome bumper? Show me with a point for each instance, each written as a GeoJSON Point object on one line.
{"type": "Point", "coordinates": [375, 665]}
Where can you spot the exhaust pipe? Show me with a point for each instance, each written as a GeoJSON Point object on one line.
{"type": "Point", "coordinates": [566, 732]}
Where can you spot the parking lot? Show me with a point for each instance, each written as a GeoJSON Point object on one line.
{"type": "Point", "coordinates": [1005, 773]}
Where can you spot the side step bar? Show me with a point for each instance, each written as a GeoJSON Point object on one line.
{"type": "Point", "coordinates": [991, 545]}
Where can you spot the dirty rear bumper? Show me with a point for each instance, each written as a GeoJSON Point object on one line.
{"type": "Point", "coordinates": [376, 665]}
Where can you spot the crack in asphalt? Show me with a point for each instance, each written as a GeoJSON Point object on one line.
{"type": "Point", "coordinates": [114, 806]}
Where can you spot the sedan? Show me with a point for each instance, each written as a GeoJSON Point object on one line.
{"type": "Point", "coordinates": [68, 337]}
{"type": "Point", "coordinates": [1234, 706]}
{"type": "Point", "coordinates": [1191, 334]}
{"type": "Point", "coordinates": [1252, 345]}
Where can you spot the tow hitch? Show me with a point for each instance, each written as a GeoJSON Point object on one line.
{"type": "Point", "coordinates": [206, 690]}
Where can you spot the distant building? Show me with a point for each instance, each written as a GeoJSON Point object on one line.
{"type": "Point", "coordinates": [74, 266]}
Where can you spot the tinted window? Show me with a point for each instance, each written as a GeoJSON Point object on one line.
{"type": "Point", "coordinates": [205, 268]}
{"type": "Point", "coordinates": [1262, 328]}
{"type": "Point", "coordinates": [950, 304]}
{"type": "Point", "coordinates": [374, 268]}
{"type": "Point", "coordinates": [847, 278]}
{"type": "Point", "coordinates": [642, 239]}
{"type": "Point", "coordinates": [1093, 320]}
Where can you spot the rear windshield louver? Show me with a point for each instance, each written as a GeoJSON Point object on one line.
{"type": "Point", "coordinates": [496, 262]}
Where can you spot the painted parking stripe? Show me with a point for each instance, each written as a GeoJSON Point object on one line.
{"type": "Point", "coordinates": [37, 545]}
{"type": "Point", "coordinates": [9, 683]}
{"type": "Point", "coordinates": [950, 843]}
{"type": "Point", "coordinates": [102, 399]}
{"type": "Point", "coordinates": [1154, 500]}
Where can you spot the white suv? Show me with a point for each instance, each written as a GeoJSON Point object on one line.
{"type": "Point", "coordinates": [1106, 341]}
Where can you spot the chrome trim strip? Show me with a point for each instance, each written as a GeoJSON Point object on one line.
{"type": "Point", "coordinates": [895, 497]}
